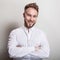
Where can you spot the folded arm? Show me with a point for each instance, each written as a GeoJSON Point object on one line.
{"type": "Point", "coordinates": [16, 50]}
{"type": "Point", "coordinates": [42, 50]}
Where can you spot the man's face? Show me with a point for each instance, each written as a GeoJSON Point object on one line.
{"type": "Point", "coordinates": [30, 17]}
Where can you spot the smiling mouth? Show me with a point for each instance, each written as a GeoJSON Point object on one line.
{"type": "Point", "coordinates": [30, 23]}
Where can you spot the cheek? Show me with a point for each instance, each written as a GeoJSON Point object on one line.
{"type": "Point", "coordinates": [35, 20]}
{"type": "Point", "coordinates": [27, 17]}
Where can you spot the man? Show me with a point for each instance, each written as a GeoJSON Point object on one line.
{"type": "Point", "coordinates": [28, 42]}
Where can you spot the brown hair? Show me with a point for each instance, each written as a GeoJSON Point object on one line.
{"type": "Point", "coordinates": [32, 5]}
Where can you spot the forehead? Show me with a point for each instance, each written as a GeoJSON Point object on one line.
{"type": "Point", "coordinates": [31, 11]}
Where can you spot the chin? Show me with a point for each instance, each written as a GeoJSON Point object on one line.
{"type": "Point", "coordinates": [30, 26]}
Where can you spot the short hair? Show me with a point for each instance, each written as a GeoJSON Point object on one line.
{"type": "Point", "coordinates": [32, 5]}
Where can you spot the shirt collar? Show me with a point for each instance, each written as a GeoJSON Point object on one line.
{"type": "Point", "coordinates": [28, 30]}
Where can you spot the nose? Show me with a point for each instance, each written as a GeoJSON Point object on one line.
{"type": "Point", "coordinates": [31, 18]}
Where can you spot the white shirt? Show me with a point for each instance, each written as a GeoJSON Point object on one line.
{"type": "Point", "coordinates": [28, 39]}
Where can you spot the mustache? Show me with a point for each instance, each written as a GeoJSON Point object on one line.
{"type": "Point", "coordinates": [30, 21]}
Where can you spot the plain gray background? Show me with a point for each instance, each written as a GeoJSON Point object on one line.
{"type": "Point", "coordinates": [48, 20]}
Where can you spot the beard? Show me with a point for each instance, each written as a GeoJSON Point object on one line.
{"type": "Point", "coordinates": [30, 24]}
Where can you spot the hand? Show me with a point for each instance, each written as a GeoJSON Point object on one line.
{"type": "Point", "coordinates": [37, 47]}
{"type": "Point", "coordinates": [18, 46]}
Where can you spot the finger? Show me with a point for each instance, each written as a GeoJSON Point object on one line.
{"type": "Point", "coordinates": [18, 46]}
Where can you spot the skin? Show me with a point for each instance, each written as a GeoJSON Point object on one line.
{"type": "Point", "coordinates": [30, 18]}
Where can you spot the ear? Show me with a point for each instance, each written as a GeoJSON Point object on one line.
{"type": "Point", "coordinates": [23, 14]}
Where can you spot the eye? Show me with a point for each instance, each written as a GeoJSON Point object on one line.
{"type": "Point", "coordinates": [35, 16]}
{"type": "Point", "coordinates": [28, 14]}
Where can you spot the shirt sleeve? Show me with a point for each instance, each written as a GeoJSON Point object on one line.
{"type": "Point", "coordinates": [44, 50]}
{"type": "Point", "coordinates": [14, 51]}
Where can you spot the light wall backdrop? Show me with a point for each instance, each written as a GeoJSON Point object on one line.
{"type": "Point", "coordinates": [48, 20]}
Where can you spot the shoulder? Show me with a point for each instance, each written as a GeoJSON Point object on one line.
{"type": "Point", "coordinates": [17, 30]}
{"type": "Point", "coordinates": [40, 31]}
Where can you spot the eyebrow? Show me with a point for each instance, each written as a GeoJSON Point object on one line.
{"type": "Point", "coordinates": [30, 14]}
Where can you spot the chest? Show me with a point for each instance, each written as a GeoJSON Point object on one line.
{"type": "Point", "coordinates": [28, 39]}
